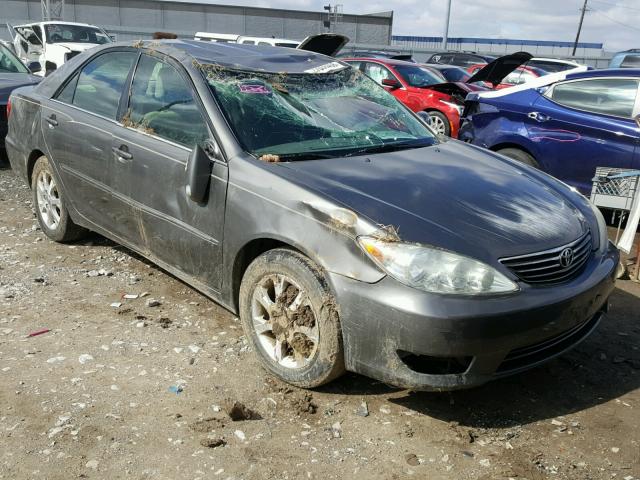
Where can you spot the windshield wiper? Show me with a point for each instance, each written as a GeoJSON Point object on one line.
{"type": "Point", "coordinates": [392, 147]}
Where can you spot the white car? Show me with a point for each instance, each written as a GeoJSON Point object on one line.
{"type": "Point", "coordinates": [553, 65]}
{"type": "Point", "coordinates": [53, 43]}
{"type": "Point", "coordinates": [230, 38]}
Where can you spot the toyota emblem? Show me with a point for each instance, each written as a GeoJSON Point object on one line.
{"type": "Point", "coordinates": [566, 258]}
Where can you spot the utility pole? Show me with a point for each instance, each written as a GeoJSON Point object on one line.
{"type": "Point", "coordinates": [584, 10]}
{"type": "Point", "coordinates": [445, 37]}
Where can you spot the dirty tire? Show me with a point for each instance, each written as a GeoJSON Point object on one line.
{"type": "Point", "coordinates": [64, 229]}
{"type": "Point", "coordinates": [520, 156]}
{"type": "Point", "coordinates": [327, 363]}
{"type": "Point", "coordinates": [440, 123]}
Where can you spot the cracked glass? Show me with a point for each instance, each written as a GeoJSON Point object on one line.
{"type": "Point", "coordinates": [313, 115]}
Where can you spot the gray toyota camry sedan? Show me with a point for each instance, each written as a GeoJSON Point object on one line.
{"type": "Point", "coordinates": [293, 190]}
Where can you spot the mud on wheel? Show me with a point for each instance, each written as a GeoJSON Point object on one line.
{"type": "Point", "coordinates": [291, 319]}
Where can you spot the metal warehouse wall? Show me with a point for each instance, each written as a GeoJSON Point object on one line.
{"type": "Point", "coordinates": [134, 19]}
{"type": "Point", "coordinates": [500, 46]}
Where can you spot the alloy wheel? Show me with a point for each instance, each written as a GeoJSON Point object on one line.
{"type": "Point", "coordinates": [438, 125]}
{"type": "Point", "coordinates": [284, 322]}
{"type": "Point", "coordinates": [49, 203]}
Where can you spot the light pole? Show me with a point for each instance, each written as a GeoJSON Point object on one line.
{"type": "Point", "coordinates": [445, 36]}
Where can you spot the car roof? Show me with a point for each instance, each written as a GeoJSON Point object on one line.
{"type": "Point", "coordinates": [385, 61]}
{"type": "Point", "coordinates": [554, 60]}
{"type": "Point", "coordinates": [53, 22]}
{"type": "Point", "coordinates": [244, 56]}
{"type": "Point", "coordinates": [607, 72]}
{"type": "Point", "coordinates": [237, 56]}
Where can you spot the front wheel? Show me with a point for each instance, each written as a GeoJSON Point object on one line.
{"type": "Point", "coordinates": [51, 205]}
{"type": "Point", "coordinates": [291, 318]}
{"type": "Point", "coordinates": [440, 123]}
{"type": "Point", "coordinates": [520, 156]}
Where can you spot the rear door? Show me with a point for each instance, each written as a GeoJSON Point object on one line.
{"type": "Point", "coordinates": [77, 125]}
{"type": "Point", "coordinates": [586, 123]}
{"type": "Point", "coordinates": [164, 121]}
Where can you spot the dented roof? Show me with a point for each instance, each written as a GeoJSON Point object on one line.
{"type": "Point", "coordinates": [247, 57]}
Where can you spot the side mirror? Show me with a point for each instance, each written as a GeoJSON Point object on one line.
{"type": "Point", "coordinates": [391, 82]}
{"type": "Point", "coordinates": [34, 67]}
{"type": "Point", "coordinates": [637, 119]}
{"type": "Point", "coordinates": [199, 171]}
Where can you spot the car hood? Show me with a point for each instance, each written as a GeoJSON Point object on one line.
{"type": "Point", "coordinates": [324, 43]}
{"type": "Point", "coordinates": [11, 81]}
{"type": "Point", "coordinates": [495, 71]}
{"type": "Point", "coordinates": [457, 89]}
{"type": "Point", "coordinates": [451, 196]}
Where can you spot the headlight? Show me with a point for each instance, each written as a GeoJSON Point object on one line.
{"type": "Point", "coordinates": [603, 234]}
{"type": "Point", "coordinates": [457, 106]}
{"type": "Point", "coordinates": [434, 270]}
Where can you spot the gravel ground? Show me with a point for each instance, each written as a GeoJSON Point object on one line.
{"type": "Point", "coordinates": [165, 386]}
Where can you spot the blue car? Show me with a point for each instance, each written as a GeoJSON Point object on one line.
{"type": "Point", "coordinates": [566, 124]}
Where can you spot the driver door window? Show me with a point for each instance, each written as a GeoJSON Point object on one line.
{"type": "Point", "coordinates": [378, 73]}
{"type": "Point", "coordinates": [162, 104]}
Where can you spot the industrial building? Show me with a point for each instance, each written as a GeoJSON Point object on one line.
{"type": "Point", "coordinates": [499, 46]}
{"type": "Point", "coordinates": [134, 19]}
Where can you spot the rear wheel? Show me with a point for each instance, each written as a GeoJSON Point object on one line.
{"type": "Point", "coordinates": [519, 155]}
{"type": "Point", "coordinates": [291, 319]}
{"type": "Point", "coordinates": [51, 205]}
{"type": "Point", "coordinates": [440, 123]}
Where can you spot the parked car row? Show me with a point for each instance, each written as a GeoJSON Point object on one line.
{"type": "Point", "coordinates": [299, 194]}
{"type": "Point", "coordinates": [425, 88]}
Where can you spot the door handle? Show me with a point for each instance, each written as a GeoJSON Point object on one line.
{"type": "Point", "coordinates": [122, 153]}
{"type": "Point", "coordinates": [51, 120]}
{"type": "Point", "coordinates": [538, 117]}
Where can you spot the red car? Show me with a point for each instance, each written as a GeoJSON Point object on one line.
{"type": "Point", "coordinates": [411, 84]}
{"type": "Point", "coordinates": [423, 90]}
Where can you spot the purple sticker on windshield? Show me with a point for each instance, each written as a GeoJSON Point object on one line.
{"type": "Point", "coordinates": [257, 89]}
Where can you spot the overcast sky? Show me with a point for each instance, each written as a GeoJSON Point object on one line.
{"type": "Point", "coordinates": [616, 23]}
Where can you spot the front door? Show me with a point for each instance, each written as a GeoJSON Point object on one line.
{"type": "Point", "coordinates": [583, 124]}
{"type": "Point", "coordinates": [77, 125]}
{"type": "Point", "coordinates": [163, 122]}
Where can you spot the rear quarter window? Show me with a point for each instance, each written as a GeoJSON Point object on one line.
{"type": "Point", "coordinates": [608, 96]}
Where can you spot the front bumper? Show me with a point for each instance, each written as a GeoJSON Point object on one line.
{"type": "Point", "coordinates": [422, 341]}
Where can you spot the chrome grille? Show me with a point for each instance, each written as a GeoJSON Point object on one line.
{"type": "Point", "coordinates": [547, 267]}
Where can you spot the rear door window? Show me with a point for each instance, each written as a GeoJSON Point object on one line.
{"type": "Point", "coordinates": [162, 104]}
{"type": "Point", "coordinates": [609, 96]}
{"type": "Point", "coordinates": [101, 82]}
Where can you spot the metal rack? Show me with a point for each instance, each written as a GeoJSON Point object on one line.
{"type": "Point", "coordinates": [615, 188]}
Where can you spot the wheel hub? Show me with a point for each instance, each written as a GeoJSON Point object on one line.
{"type": "Point", "coordinates": [284, 321]}
{"type": "Point", "coordinates": [48, 200]}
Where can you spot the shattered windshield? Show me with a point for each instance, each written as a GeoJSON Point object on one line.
{"type": "Point", "coordinates": [65, 33]}
{"type": "Point", "coordinates": [313, 115]}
